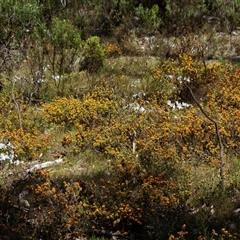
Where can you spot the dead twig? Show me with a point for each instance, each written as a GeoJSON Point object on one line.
{"type": "Point", "coordinates": [216, 130]}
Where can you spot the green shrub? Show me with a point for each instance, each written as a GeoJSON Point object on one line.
{"type": "Point", "coordinates": [94, 55]}
{"type": "Point", "coordinates": [150, 20]}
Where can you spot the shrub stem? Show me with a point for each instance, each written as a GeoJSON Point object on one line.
{"type": "Point", "coordinates": [221, 170]}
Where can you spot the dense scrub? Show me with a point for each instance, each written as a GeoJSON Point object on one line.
{"type": "Point", "coordinates": [139, 193]}
{"type": "Point", "coordinates": [130, 117]}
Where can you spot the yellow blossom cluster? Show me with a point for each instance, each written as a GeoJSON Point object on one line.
{"type": "Point", "coordinates": [113, 50]}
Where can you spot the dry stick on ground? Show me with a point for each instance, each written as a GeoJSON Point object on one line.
{"type": "Point", "coordinates": [216, 130]}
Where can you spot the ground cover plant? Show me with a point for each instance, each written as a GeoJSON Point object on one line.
{"type": "Point", "coordinates": [137, 117]}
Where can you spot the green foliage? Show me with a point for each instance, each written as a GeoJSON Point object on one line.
{"type": "Point", "coordinates": [149, 18]}
{"type": "Point", "coordinates": [18, 18]}
{"type": "Point", "coordinates": [63, 35]}
{"type": "Point", "coordinates": [94, 55]}
{"type": "Point", "coordinates": [227, 13]}
{"type": "Point", "coordinates": [59, 50]}
{"type": "Point", "coordinates": [184, 16]}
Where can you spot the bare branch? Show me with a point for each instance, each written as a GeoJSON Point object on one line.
{"type": "Point", "coordinates": [216, 130]}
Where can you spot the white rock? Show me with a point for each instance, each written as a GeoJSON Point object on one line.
{"type": "Point", "coordinates": [178, 105]}
{"type": "Point", "coordinates": [6, 152]}
{"type": "Point", "coordinates": [237, 211]}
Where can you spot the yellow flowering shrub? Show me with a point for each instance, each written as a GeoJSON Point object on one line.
{"type": "Point", "coordinates": [54, 211]}
{"type": "Point", "coordinates": [113, 50]}
{"type": "Point", "coordinates": [63, 111]}
{"type": "Point", "coordinates": [71, 111]}
{"type": "Point", "coordinates": [147, 185]}
{"type": "Point", "coordinates": [27, 145]}
{"type": "Point", "coordinates": [27, 138]}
